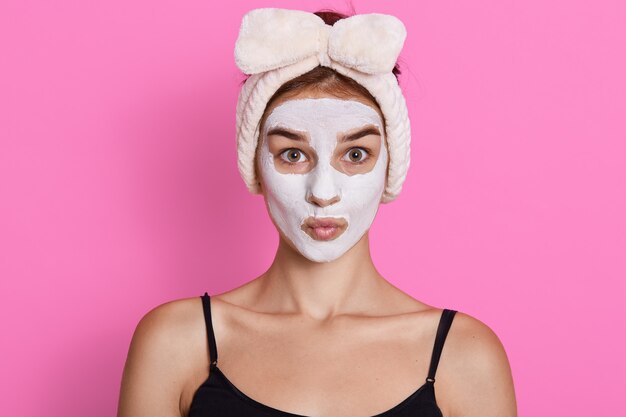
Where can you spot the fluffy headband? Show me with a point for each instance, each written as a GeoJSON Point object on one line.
{"type": "Point", "coordinates": [277, 45]}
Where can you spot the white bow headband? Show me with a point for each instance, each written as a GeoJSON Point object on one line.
{"type": "Point", "coordinates": [277, 45]}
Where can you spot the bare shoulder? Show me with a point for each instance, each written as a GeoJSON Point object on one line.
{"type": "Point", "coordinates": [472, 339]}
{"type": "Point", "coordinates": [172, 318]}
{"type": "Point", "coordinates": [163, 355]}
{"type": "Point", "coordinates": [474, 376]}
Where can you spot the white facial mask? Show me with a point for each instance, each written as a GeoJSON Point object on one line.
{"type": "Point", "coordinates": [287, 194]}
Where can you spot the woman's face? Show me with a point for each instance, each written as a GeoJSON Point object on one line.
{"type": "Point", "coordinates": [322, 163]}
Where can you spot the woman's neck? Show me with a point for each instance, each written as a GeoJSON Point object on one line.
{"type": "Point", "coordinates": [294, 284]}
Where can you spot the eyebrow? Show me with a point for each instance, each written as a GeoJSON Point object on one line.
{"type": "Point", "coordinates": [287, 133]}
{"type": "Point", "coordinates": [367, 130]}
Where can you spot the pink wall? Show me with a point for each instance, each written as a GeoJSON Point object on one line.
{"type": "Point", "coordinates": [119, 188]}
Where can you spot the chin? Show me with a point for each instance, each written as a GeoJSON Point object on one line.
{"type": "Point", "coordinates": [324, 252]}
{"type": "Point", "coordinates": [321, 258]}
{"type": "Point", "coordinates": [318, 252]}
{"type": "Point", "coordinates": [315, 254]}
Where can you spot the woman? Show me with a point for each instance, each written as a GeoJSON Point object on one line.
{"type": "Point", "coordinates": [323, 135]}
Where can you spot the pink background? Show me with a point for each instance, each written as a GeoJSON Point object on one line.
{"type": "Point", "coordinates": [119, 187]}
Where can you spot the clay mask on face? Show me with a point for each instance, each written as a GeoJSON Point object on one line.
{"type": "Point", "coordinates": [293, 198]}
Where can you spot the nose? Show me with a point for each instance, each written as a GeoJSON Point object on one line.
{"type": "Point", "coordinates": [321, 202]}
{"type": "Point", "coordinates": [322, 189]}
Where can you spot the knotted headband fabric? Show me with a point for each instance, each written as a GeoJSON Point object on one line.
{"type": "Point", "coordinates": [277, 45]}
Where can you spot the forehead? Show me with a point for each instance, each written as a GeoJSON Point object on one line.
{"type": "Point", "coordinates": [326, 112]}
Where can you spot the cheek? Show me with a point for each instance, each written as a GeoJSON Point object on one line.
{"type": "Point", "coordinates": [363, 191]}
{"type": "Point", "coordinates": [280, 188]}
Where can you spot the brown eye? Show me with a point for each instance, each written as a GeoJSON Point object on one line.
{"type": "Point", "coordinates": [357, 155]}
{"type": "Point", "coordinates": [292, 155]}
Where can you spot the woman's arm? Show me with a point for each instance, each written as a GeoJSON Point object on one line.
{"type": "Point", "coordinates": [152, 381]}
{"type": "Point", "coordinates": [478, 380]}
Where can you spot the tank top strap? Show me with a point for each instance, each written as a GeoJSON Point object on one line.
{"type": "Point", "coordinates": [206, 306]}
{"type": "Point", "coordinates": [442, 331]}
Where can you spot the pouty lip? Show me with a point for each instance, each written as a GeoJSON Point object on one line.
{"type": "Point", "coordinates": [325, 222]}
{"type": "Point", "coordinates": [338, 223]}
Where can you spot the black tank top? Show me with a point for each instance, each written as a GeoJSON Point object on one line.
{"type": "Point", "coordinates": [218, 397]}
